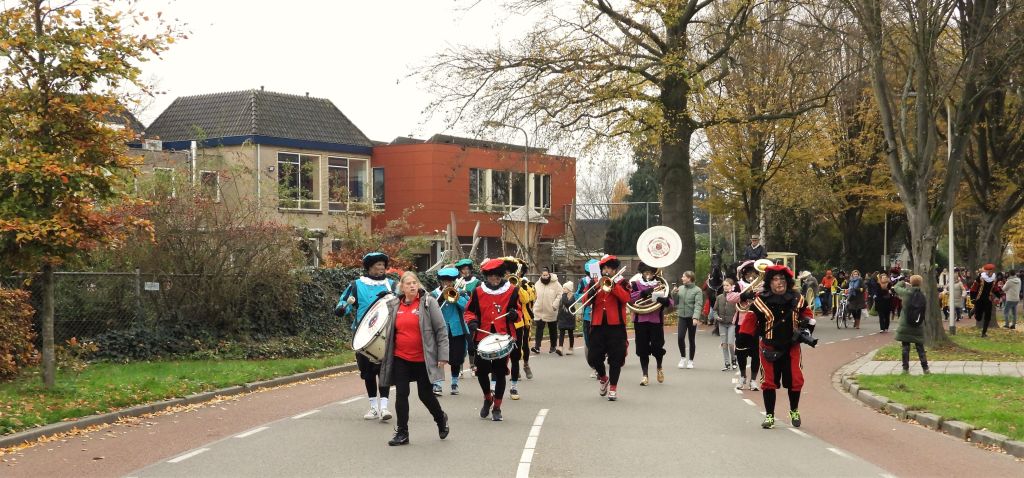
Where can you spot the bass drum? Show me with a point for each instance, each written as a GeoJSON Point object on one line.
{"type": "Point", "coordinates": [371, 337]}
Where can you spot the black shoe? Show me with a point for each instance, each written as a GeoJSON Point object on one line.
{"type": "Point", "coordinates": [496, 415]}
{"type": "Point", "coordinates": [442, 428]}
{"type": "Point", "coordinates": [535, 350]}
{"type": "Point", "coordinates": [486, 409]}
{"type": "Point", "coordinates": [401, 438]}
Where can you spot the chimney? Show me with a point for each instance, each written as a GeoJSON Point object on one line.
{"type": "Point", "coordinates": [261, 87]}
{"type": "Point", "coordinates": [307, 94]}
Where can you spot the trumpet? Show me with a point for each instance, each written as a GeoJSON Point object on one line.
{"type": "Point", "coordinates": [450, 294]}
{"type": "Point", "coordinates": [514, 280]}
{"type": "Point", "coordinates": [606, 284]}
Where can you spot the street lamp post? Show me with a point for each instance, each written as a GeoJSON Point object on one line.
{"type": "Point", "coordinates": [949, 272]}
{"type": "Point", "coordinates": [526, 181]}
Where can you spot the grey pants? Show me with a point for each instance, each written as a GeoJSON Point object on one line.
{"type": "Point", "coordinates": [728, 333]}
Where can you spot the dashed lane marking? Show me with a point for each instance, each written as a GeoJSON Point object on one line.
{"type": "Point", "coordinates": [251, 432]}
{"type": "Point", "coordinates": [750, 402]}
{"type": "Point", "coordinates": [829, 343]}
{"type": "Point", "coordinates": [304, 415]}
{"type": "Point", "coordinates": [844, 340]}
{"type": "Point", "coordinates": [531, 444]}
{"type": "Point", "coordinates": [799, 432]}
{"type": "Point", "coordinates": [353, 399]}
{"type": "Point", "coordinates": [840, 453]}
{"type": "Point", "coordinates": [188, 455]}
{"type": "Point", "coordinates": [860, 336]}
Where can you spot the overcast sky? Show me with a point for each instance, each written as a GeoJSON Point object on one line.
{"type": "Point", "coordinates": [356, 53]}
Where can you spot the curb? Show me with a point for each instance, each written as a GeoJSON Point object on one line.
{"type": "Point", "coordinates": [145, 409]}
{"type": "Point", "coordinates": [954, 428]}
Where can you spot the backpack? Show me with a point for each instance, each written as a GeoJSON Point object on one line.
{"type": "Point", "coordinates": [916, 308]}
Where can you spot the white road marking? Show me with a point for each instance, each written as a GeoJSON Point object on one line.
{"type": "Point", "coordinates": [738, 391]}
{"type": "Point", "coordinates": [188, 455]}
{"type": "Point", "coordinates": [829, 343]}
{"type": "Point", "coordinates": [531, 444]}
{"type": "Point", "coordinates": [860, 336]}
{"type": "Point", "coordinates": [798, 432]}
{"type": "Point", "coordinates": [840, 453]}
{"type": "Point", "coordinates": [353, 399]}
{"type": "Point", "coordinates": [750, 402]}
{"type": "Point", "coordinates": [304, 415]}
{"type": "Point", "coordinates": [251, 432]}
{"type": "Point", "coordinates": [735, 380]}
{"type": "Point", "coordinates": [844, 340]}
{"type": "Point", "coordinates": [886, 475]}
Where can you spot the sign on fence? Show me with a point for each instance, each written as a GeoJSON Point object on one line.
{"type": "Point", "coordinates": [151, 286]}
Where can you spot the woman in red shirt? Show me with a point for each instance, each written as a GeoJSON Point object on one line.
{"type": "Point", "coordinates": [417, 350]}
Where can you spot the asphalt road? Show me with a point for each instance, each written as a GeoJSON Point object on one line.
{"type": "Point", "coordinates": [694, 424]}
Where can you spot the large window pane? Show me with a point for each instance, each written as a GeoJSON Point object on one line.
{"type": "Point", "coordinates": [378, 188]}
{"type": "Point", "coordinates": [357, 174]}
{"type": "Point", "coordinates": [518, 189]}
{"type": "Point", "coordinates": [475, 186]}
{"type": "Point", "coordinates": [500, 188]}
{"type": "Point", "coordinates": [297, 180]}
{"type": "Point", "coordinates": [337, 188]}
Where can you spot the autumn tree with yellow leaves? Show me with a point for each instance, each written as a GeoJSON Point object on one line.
{"type": "Point", "coordinates": [64, 68]}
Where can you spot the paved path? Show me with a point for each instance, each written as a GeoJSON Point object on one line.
{"type": "Point", "coordinates": [1008, 369]}
{"type": "Point", "coordinates": [695, 424]}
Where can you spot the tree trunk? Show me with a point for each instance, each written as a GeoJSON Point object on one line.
{"type": "Point", "coordinates": [677, 188]}
{"type": "Point", "coordinates": [990, 240]}
{"type": "Point", "coordinates": [49, 359]}
{"type": "Point", "coordinates": [923, 248]}
{"type": "Point", "coordinates": [753, 213]}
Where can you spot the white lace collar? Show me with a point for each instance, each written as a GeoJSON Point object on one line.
{"type": "Point", "coordinates": [501, 290]}
{"type": "Point", "coordinates": [988, 276]}
{"type": "Point", "coordinates": [369, 281]}
{"type": "Point", "coordinates": [653, 282]}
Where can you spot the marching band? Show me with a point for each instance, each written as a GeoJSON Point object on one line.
{"type": "Point", "coordinates": [489, 321]}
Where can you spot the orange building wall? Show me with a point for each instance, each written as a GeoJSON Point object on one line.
{"type": "Point", "coordinates": [436, 175]}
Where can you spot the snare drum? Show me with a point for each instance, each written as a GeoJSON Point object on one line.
{"type": "Point", "coordinates": [495, 347]}
{"type": "Point", "coordinates": [371, 336]}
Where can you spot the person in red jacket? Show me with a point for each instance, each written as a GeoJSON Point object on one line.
{"type": "Point", "coordinates": [780, 313]}
{"type": "Point", "coordinates": [493, 307]}
{"type": "Point", "coordinates": [608, 328]}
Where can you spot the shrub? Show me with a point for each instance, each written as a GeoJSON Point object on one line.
{"type": "Point", "coordinates": [17, 349]}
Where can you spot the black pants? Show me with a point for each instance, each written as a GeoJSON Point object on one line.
{"type": "Point", "coordinates": [983, 314]}
{"type": "Point", "coordinates": [755, 362]}
{"type": "Point", "coordinates": [826, 302]}
{"type": "Point", "coordinates": [487, 370]}
{"type": "Point", "coordinates": [650, 341]}
{"type": "Point", "coordinates": [561, 337]}
{"type": "Point", "coordinates": [521, 351]}
{"type": "Point", "coordinates": [687, 328]}
{"type": "Point", "coordinates": [552, 327]}
{"type": "Point", "coordinates": [368, 372]}
{"type": "Point", "coordinates": [608, 341]}
{"type": "Point", "coordinates": [883, 316]}
{"type": "Point", "coordinates": [456, 352]}
{"type": "Point", "coordinates": [920, 355]}
{"type": "Point", "coordinates": [402, 373]}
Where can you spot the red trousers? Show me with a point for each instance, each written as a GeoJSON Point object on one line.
{"type": "Point", "coordinates": [785, 371]}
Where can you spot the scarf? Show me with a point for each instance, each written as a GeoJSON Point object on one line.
{"type": "Point", "coordinates": [988, 276]}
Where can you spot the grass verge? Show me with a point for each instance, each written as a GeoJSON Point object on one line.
{"type": "Point", "coordinates": [983, 401]}
{"type": "Point", "coordinates": [105, 387]}
{"type": "Point", "coordinates": [1001, 345]}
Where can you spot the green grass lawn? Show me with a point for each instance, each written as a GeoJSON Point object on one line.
{"type": "Point", "coordinates": [1002, 345]}
{"type": "Point", "coordinates": [105, 387]}
{"type": "Point", "coordinates": [994, 403]}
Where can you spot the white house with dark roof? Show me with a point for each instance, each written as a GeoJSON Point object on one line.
{"type": "Point", "coordinates": [298, 155]}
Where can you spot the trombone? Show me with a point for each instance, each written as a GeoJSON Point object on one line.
{"type": "Point", "coordinates": [606, 284]}
{"type": "Point", "coordinates": [450, 294]}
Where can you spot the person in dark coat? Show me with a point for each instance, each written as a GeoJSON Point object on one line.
{"type": "Point", "coordinates": [755, 250]}
{"type": "Point", "coordinates": [566, 319]}
{"type": "Point", "coordinates": [907, 333]}
{"type": "Point", "coordinates": [855, 293]}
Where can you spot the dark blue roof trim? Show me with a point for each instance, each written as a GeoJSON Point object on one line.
{"type": "Point", "coordinates": [272, 141]}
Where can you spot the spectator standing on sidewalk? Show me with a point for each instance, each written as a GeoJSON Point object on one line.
{"type": "Point", "coordinates": [826, 292]}
{"type": "Point", "coordinates": [883, 301]}
{"type": "Point", "coordinates": [909, 330]}
{"type": "Point", "coordinates": [545, 310]}
{"type": "Point", "coordinates": [726, 313]}
{"type": "Point", "coordinates": [566, 319]}
{"type": "Point", "coordinates": [689, 300]}
{"type": "Point", "coordinates": [1011, 291]}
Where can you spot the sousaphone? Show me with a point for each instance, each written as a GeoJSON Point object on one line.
{"type": "Point", "coordinates": [658, 247]}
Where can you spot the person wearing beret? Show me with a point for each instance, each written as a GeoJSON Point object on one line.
{"type": "Point", "coordinates": [357, 299]}
{"type": "Point", "coordinates": [493, 308]}
{"type": "Point", "coordinates": [608, 339]}
{"type": "Point", "coordinates": [458, 333]}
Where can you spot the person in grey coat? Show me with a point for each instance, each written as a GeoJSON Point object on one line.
{"type": "Point", "coordinates": [907, 333]}
{"type": "Point", "coordinates": [416, 350]}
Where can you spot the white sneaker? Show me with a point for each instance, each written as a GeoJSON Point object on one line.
{"type": "Point", "coordinates": [372, 414]}
{"type": "Point", "coordinates": [593, 374]}
{"type": "Point", "coordinates": [682, 363]}
{"type": "Point", "coordinates": [689, 364]}
{"type": "Point", "coordinates": [385, 415]}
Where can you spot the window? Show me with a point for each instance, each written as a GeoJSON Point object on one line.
{"type": "Point", "coordinates": [298, 179]}
{"type": "Point", "coordinates": [541, 192]}
{"type": "Point", "coordinates": [500, 186]}
{"type": "Point", "coordinates": [337, 184]}
{"type": "Point", "coordinates": [477, 192]}
{"type": "Point", "coordinates": [378, 188]}
{"type": "Point", "coordinates": [163, 183]}
{"type": "Point", "coordinates": [336, 245]}
{"type": "Point", "coordinates": [209, 184]}
{"type": "Point", "coordinates": [357, 179]}
{"type": "Point", "coordinates": [518, 190]}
